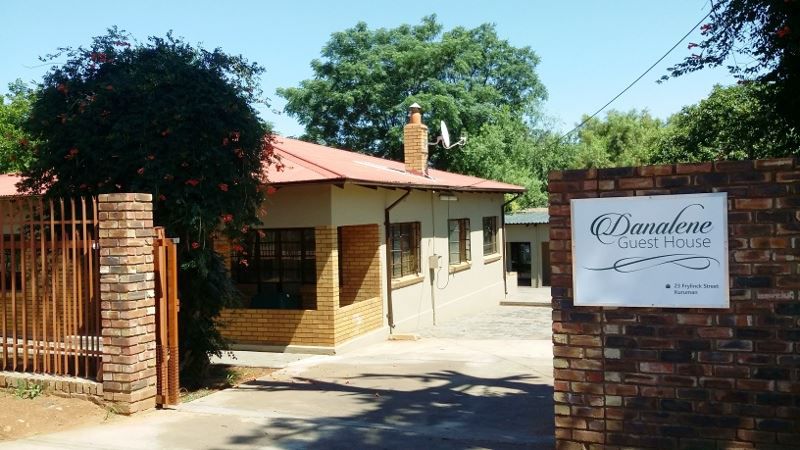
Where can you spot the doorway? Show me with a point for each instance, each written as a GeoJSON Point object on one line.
{"type": "Point", "coordinates": [521, 262]}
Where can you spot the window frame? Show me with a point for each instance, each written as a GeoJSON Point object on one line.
{"type": "Point", "coordinates": [492, 222]}
{"type": "Point", "coordinates": [258, 256]}
{"type": "Point", "coordinates": [412, 250]}
{"type": "Point", "coordinates": [464, 241]}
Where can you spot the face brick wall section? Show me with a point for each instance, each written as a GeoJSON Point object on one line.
{"type": "Point", "coordinates": [127, 291]}
{"type": "Point", "coordinates": [359, 247]}
{"type": "Point", "coordinates": [686, 378]}
{"type": "Point", "coordinates": [361, 305]}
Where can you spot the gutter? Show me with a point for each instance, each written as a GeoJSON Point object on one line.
{"type": "Point", "coordinates": [503, 227]}
{"type": "Point", "coordinates": [386, 225]}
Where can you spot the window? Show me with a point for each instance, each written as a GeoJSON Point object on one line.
{"type": "Point", "coordinates": [489, 235]}
{"type": "Point", "coordinates": [458, 239]}
{"type": "Point", "coordinates": [285, 258]}
{"type": "Point", "coordinates": [405, 249]}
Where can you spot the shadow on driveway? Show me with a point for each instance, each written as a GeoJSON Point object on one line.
{"type": "Point", "coordinates": [450, 410]}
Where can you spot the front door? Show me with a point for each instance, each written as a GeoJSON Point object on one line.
{"type": "Point", "coordinates": [521, 262]}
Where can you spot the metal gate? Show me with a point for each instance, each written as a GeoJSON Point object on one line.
{"type": "Point", "coordinates": [165, 253]}
{"type": "Point", "coordinates": [49, 286]}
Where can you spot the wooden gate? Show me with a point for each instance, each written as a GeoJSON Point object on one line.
{"type": "Point", "coordinates": [167, 306]}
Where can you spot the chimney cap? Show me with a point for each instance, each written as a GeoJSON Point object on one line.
{"type": "Point", "coordinates": [414, 106]}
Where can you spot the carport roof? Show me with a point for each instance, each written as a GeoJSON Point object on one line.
{"type": "Point", "coordinates": [528, 216]}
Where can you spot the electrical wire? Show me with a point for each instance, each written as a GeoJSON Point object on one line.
{"type": "Point", "coordinates": [638, 78]}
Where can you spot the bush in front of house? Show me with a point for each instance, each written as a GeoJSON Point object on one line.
{"type": "Point", "coordinates": [167, 118]}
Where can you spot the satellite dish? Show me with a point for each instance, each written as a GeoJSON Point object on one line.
{"type": "Point", "coordinates": [444, 138]}
{"type": "Point", "coordinates": [445, 135]}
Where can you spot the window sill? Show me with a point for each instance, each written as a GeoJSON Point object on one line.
{"type": "Point", "coordinates": [460, 267]}
{"type": "Point", "coordinates": [407, 280]}
{"type": "Point", "coordinates": [494, 257]}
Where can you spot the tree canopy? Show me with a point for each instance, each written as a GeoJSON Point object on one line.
{"type": "Point", "coordinates": [757, 40]}
{"type": "Point", "coordinates": [167, 118]}
{"type": "Point", "coordinates": [734, 122]}
{"type": "Point", "coordinates": [367, 78]}
{"type": "Point", "coordinates": [620, 139]}
{"type": "Point", "coordinates": [15, 145]}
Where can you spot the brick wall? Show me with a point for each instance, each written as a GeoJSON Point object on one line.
{"type": "Point", "coordinates": [686, 378]}
{"type": "Point", "coordinates": [343, 312]}
{"type": "Point", "coordinates": [361, 305]}
{"type": "Point", "coordinates": [359, 247]}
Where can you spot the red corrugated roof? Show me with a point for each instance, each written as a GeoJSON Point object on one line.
{"type": "Point", "coordinates": [8, 183]}
{"type": "Point", "coordinates": [304, 162]}
{"type": "Point", "coordinates": [308, 163]}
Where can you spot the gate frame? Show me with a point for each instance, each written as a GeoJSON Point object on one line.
{"type": "Point", "coordinates": [165, 253]}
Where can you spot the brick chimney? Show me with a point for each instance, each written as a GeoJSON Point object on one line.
{"type": "Point", "coordinates": [415, 142]}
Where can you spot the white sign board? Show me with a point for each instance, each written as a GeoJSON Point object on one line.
{"type": "Point", "coordinates": [667, 251]}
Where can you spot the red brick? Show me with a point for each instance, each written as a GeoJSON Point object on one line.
{"type": "Point", "coordinates": [647, 171]}
{"type": "Point", "coordinates": [694, 168]}
{"type": "Point", "coordinates": [588, 436]}
{"type": "Point", "coordinates": [753, 203]}
{"type": "Point", "coordinates": [788, 177]}
{"type": "Point", "coordinates": [635, 183]}
{"type": "Point", "coordinates": [772, 164]}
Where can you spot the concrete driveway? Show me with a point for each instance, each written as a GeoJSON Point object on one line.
{"type": "Point", "coordinates": [449, 390]}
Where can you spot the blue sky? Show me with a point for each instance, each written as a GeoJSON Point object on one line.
{"type": "Point", "coordinates": [589, 50]}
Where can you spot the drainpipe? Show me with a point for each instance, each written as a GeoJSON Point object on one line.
{"type": "Point", "coordinates": [503, 227]}
{"type": "Point", "coordinates": [386, 224]}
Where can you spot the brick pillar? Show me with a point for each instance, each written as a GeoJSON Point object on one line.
{"type": "Point", "coordinates": [327, 254]}
{"type": "Point", "coordinates": [127, 291]}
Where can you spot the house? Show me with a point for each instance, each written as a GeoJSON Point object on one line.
{"type": "Point", "coordinates": [528, 247]}
{"type": "Point", "coordinates": [353, 246]}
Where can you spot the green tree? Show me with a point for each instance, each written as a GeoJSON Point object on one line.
{"type": "Point", "coordinates": [734, 122]}
{"type": "Point", "coordinates": [170, 119]}
{"type": "Point", "coordinates": [510, 150]}
{"type": "Point", "coordinates": [621, 139]}
{"type": "Point", "coordinates": [765, 35]}
{"type": "Point", "coordinates": [366, 79]}
{"type": "Point", "coordinates": [15, 145]}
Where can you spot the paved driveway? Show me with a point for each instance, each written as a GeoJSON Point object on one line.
{"type": "Point", "coordinates": [450, 390]}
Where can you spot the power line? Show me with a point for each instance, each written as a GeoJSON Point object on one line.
{"type": "Point", "coordinates": [639, 78]}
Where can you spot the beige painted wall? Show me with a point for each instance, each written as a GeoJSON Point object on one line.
{"type": "Point", "coordinates": [302, 205]}
{"type": "Point", "coordinates": [470, 290]}
{"type": "Point", "coordinates": [453, 294]}
{"type": "Point", "coordinates": [534, 234]}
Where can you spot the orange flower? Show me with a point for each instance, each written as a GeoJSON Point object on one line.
{"type": "Point", "coordinates": [195, 245]}
{"type": "Point", "coordinates": [223, 187]}
{"type": "Point", "coordinates": [192, 182]}
{"type": "Point", "coordinates": [140, 171]}
{"type": "Point", "coordinates": [227, 218]}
